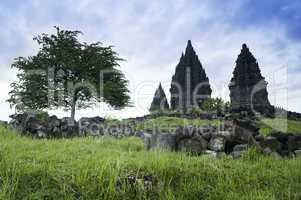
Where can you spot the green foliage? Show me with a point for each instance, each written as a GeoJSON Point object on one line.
{"type": "Point", "coordinates": [88, 168]}
{"type": "Point", "coordinates": [66, 73]}
{"type": "Point", "coordinates": [214, 105]}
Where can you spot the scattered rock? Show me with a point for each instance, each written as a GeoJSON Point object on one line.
{"type": "Point", "coordinates": [217, 144]}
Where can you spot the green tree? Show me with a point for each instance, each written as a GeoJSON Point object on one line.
{"type": "Point", "coordinates": [66, 73]}
{"type": "Point", "coordinates": [214, 104]}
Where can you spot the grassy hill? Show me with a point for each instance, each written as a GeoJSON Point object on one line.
{"type": "Point", "coordinates": [90, 168]}
{"type": "Point", "coordinates": [171, 123]}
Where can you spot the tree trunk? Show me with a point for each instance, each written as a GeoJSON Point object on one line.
{"type": "Point", "coordinates": [72, 118]}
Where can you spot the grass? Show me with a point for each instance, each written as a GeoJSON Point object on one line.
{"type": "Point", "coordinates": [88, 168]}
{"type": "Point", "coordinates": [278, 124]}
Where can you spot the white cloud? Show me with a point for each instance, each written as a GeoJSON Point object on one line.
{"type": "Point", "coordinates": [151, 35]}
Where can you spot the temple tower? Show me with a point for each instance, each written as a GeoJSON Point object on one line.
{"type": "Point", "coordinates": [248, 88]}
{"type": "Point", "coordinates": [190, 84]}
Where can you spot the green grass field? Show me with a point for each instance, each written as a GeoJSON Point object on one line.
{"type": "Point", "coordinates": [283, 125]}
{"type": "Point", "coordinates": [88, 168]}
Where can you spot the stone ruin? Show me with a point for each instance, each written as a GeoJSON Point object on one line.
{"type": "Point", "coordinates": [190, 85]}
{"type": "Point", "coordinates": [159, 103]}
{"type": "Point", "coordinates": [248, 88]}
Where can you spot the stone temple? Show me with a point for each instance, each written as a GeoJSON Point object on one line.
{"type": "Point", "coordinates": [190, 84]}
{"type": "Point", "coordinates": [159, 103]}
{"type": "Point", "coordinates": [248, 88]}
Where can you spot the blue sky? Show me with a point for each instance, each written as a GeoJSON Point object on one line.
{"type": "Point", "coordinates": [151, 35]}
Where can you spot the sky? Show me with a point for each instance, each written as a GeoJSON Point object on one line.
{"type": "Point", "coordinates": [151, 36]}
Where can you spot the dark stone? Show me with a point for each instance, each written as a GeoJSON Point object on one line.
{"type": "Point", "coordinates": [248, 88]}
{"type": "Point", "coordinates": [259, 138]}
{"type": "Point", "coordinates": [241, 147]}
{"type": "Point", "coordinates": [120, 130]}
{"type": "Point", "coordinates": [272, 143]}
{"type": "Point", "coordinates": [163, 141]}
{"type": "Point", "coordinates": [148, 141]}
{"type": "Point", "coordinates": [195, 145]}
{"type": "Point", "coordinates": [91, 126]}
{"type": "Point", "coordinates": [185, 132]}
{"type": "Point", "coordinates": [190, 84]}
{"type": "Point", "coordinates": [54, 126]}
{"type": "Point", "coordinates": [294, 142]}
{"type": "Point", "coordinates": [281, 137]}
{"type": "Point", "coordinates": [159, 103]}
{"type": "Point", "coordinates": [69, 127]}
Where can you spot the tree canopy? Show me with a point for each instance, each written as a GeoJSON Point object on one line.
{"type": "Point", "coordinates": [66, 73]}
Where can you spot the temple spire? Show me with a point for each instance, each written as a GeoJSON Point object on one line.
{"type": "Point", "coordinates": [159, 103]}
{"type": "Point", "coordinates": [248, 88]}
{"type": "Point", "coordinates": [186, 92]}
{"type": "Point", "coordinates": [189, 48]}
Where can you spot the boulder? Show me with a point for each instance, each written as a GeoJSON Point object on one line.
{"type": "Point", "coordinates": [217, 144]}
{"type": "Point", "coordinates": [185, 132]}
{"type": "Point", "coordinates": [272, 143]}
{"type": "Point", "coordinates": [195, 145]}
{"type": "Point", "coordinates": [36, 128]}
{"type": "Point", "coordinates": [259, 138]}
{"type": "Point", "coordinates": [267, 151]}
{"type": "Point", "coordinates": [91, 126]}
{"type": "Point", "coordinates": [237, 154]}
{"type": "Point", "coordinates": [294, 142]}
{"type": "Point", "coordinates": [210, 153]}
{"type": "Point", "coordinates": [249, 125]}
{"type": "Point", "coordinates": [147, 138]}
{"type": "Point", "coordinates": [69, 128]}
{"type": "Point", "coordinates": [281, 137]}
{"type": "Point", "coordinates": [214, 154]}
{"type": "Point", "coordinates": [54, 126]}
{"type": "Point", "coordinates": [229, 136]}
{"type": "Point", "coordinates": [120, 130]}
{"type": "Point", "coordinates": [298, 153]}
{"type": "Point", "coordinates": [163, 141]}
{"type": "Point", "coordinates": [241, 147]}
